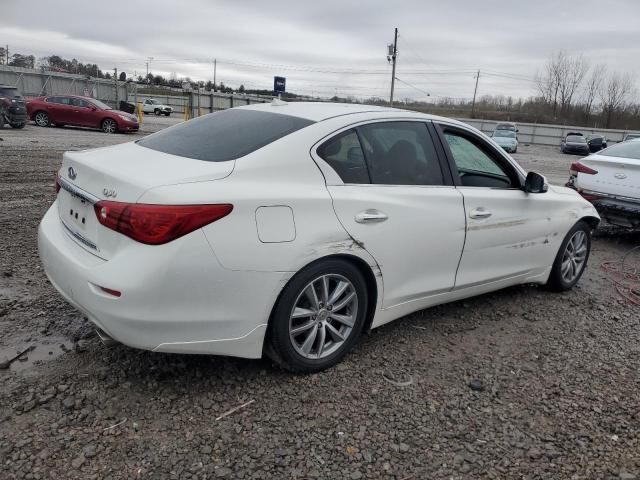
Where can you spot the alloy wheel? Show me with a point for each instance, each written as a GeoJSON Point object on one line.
{"type": "Point", "coordinates": [323, 316]}
{"type": "Point", "coordinates": [42, 119]}
{"type": "Point", "coordinates": [109, 126]}
{"type": "Point", "coordinates": [574, 257]}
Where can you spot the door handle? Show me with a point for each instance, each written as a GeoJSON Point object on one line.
{"type": "Point", "coordinates": [480, 213]}
{"type": "Point", "coordinates": [371, 216]}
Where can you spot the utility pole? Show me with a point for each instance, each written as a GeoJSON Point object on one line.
{"type": "Point", "coordinates": [475, 92]}
{"type": "Point", "coordinates": [115, 80]}
{"type": "Point", "coordinates": [214, 73]}
{"type": "Point", "coordinates": [393, 70]}
{"type": "Point", "coordinates": [147, 77]}
{"type": "Point", "coordinates": [7, 54]}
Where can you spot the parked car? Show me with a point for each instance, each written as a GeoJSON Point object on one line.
{"type": "Point", "coordinates": [154, 106]}
{"type": "Point", "coordinates": [13, 110]}
{"type": "Point", "coordinates": [596, 142]}
{"type": "Point", "coordinates": [273, 227]}
{"type": "Point", "coordinates": [64, 110]}
{"type": "Point", "coordinates": [507, 126]}
{"type": "Point", "coordinates": [631, 136]}
{"type": "Point", "coordinates": [610, 180]}
{"type": "Point", "coordinates": [575, 143]}
{"type": "Point", "coordinates": [507, 139]}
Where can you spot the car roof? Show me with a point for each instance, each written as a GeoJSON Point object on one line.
{"type": "Point", "coordinates": [318, 111]}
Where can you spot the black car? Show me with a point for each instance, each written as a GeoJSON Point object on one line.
{"type": "Point", "coordinates": [13, 109]}
{"type": "Point", "coordinates": [596, 142]}
{"type": "Point", "coordinates": [575, 143]}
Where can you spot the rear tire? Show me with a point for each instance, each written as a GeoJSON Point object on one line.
{"type": "Point", "coordinates": [157, 111]}
{"type": "Point", "coordinates": [18, 125]}
{"type": "Point", "coordinates": [42, 119]}
{"type": "Point", "coordinates": [109, 126]}
{"type": "Point", "coordinates": [571, 259]}
{"type": "Point", "coordinates": [309, 332]}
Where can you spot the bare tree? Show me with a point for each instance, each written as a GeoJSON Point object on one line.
{"type": "Point", "coordinates": [561, 79]}
{"type": "Point", "coordinates": [613, 95]}
{"type": "Point", "coordinates": [573, 70]}
{"type": "Point", "coordinates": [592, 89]}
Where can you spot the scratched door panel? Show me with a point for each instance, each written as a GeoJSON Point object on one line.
{"type": "Point", "coordinates": [517, 238]}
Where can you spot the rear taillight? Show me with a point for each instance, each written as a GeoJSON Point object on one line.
{"type": "Point", "coordinates": [577, 167]}
{"type": "Point", "coordinates": [157, 224]}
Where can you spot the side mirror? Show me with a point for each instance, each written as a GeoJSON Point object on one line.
{"type": "Point", "coordinates": [535, 183]}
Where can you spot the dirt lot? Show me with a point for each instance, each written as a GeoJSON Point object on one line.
{"type": "Point", "coordinates": [558, 376]}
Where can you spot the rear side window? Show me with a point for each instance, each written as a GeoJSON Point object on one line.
{"type": "Point", "coordinates": [224, 135]}
{"type": "Point", "coordinates": [400, 153]}
{"type": "Point", "coordinates": [345, 156]}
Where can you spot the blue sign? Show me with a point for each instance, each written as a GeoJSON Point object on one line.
{"type": "Point", "coordinates": [279, 85]}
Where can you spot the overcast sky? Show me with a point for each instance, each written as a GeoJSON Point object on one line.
{"type": "Point", "coordinates": [332, 46]}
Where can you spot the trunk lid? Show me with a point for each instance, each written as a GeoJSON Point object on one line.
{"type": "Point", "coordinates": [120, 173]}
{"type": "Point", "coordinates": [616, 176]}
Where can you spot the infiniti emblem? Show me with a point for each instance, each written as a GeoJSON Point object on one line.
{"type": "Point", "coordinates": [72, 173]}
{"type": "Point", "coordinates": [620, 176]}
{"type": "Point", "coordinates": [109, 193]}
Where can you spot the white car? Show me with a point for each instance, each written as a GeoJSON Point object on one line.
{"type": "Point", "coordinates": [506, 139]}
{"type": "Point", "coordinates": [151, 105]}
{"type": "Point", "coordinates": [610, 179]}
{"type": "Point", "coordinates": [289, 229]}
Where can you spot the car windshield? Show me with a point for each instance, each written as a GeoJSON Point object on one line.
{"type": "Point", "coordinates": [629, 150]}
{"type": "Point", "coordinates": [224, 135]}
{"type": "Point", "coordinates": [576, 139]}
{"type": "Point", "coordinates": [504, 133]}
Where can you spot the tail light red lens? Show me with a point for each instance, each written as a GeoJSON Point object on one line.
{"type": "Point", "coordinates": [577, 167]}
{"type": "Point", "coordinates": [157, 224]}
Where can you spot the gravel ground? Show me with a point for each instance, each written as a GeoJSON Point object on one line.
{"type": "Point", "coordinates": [516, 384]}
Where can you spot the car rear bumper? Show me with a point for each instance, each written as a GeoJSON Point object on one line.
{"type": "Point", "coordinates": [622, 211]}
{"type": "Point", "coordinates": [175, 297]}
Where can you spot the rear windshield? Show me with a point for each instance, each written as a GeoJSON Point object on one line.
{"type": "Point", "coordinates": [224, 135]}
{"type": "Point", "coordinates": [623, 150]}
{"type": "Point", "coordinates": [576, 139]}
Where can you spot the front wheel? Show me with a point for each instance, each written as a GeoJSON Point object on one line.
{"type": "Point", "coordinates": [318, 317]}
{"type": "Point", "coordinates": [167, 113]}
{"type": "Point", "coordinates": [571, 259]}
{"type": "Point", "coordinates": [109, 126]}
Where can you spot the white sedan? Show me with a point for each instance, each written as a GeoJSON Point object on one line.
{"type": "Point", "coordinates": [289, 229]}
{"type": "Point", "coordinates": [610, 179]}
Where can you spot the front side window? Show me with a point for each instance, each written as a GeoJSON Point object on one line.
{"type": "Point", "coordinates": [224, 135]}
{"type": "Point", "coordinates": [400, 153]}
{"type": "Point", "coordinates": [477, 165]}
{"type": "Point", "coordinates": [344, 153]}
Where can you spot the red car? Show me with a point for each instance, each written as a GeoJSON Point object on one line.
{"type": "Point", "coordinates": [63, 110]}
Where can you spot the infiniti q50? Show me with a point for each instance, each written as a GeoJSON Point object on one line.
{"type": "Point", "coordinates": [289, 229]}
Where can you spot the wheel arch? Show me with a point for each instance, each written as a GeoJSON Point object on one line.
{"type": "Point", "coordinates": [373, 289]}
{"type": "Point", "coordinates": [592, 221]}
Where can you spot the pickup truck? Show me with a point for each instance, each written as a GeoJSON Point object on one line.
{"type": "Point", "coordinates": [152, 105]}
